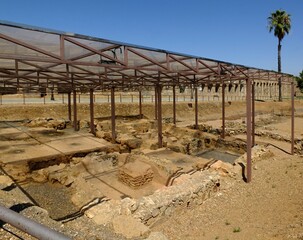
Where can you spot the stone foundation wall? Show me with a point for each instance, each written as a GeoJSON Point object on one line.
{"type": "Point", "coordinates": [188, 190]}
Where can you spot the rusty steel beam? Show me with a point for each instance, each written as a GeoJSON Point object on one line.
{"type": "Point", "coordinates": [140, 104]}
{"type": "Point", "coordinates": [183, 63]}
{"type": "Point", "coordinates": [208, 67]}
{"type": "Point", "coordinates": [253, 114]}
{"type": "Point", "coordinates": [248, 129]}
{"type": "Point", "coordinates": [223, 110]}
{"type": "Point", "coordinates": [196, 108]}
{"type": "Point", "coordinates": [159, 110]}
{"type": "Point", "coordinates": [156, 103]}
{"type": "Point", "coordinates": [29, 46]}
{"type": "Point", "coordinates": [174, 104]}
{"type": "Point", "coordinates": [92, 50]}
{"type": "Point", "coordinates": [75, 110]}
{"type": "Point", "coordinates": [69, 107]}
{"type": "Point", "coordinates": [292, 117]}
{"type": "Point", "coordinates": [113, 114]}
{"type": "Point", "coordinates": [91, 111]}
{"type": "Point", "coordinates": [146, 58]}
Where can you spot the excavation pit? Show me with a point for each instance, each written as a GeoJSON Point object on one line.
{"type": "Point", "coordinates": [53, 197]}
{"type": "Point", "coordinates": [219, 155]}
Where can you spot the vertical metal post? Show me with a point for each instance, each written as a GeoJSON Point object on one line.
{"type": "Point", "coordinates": [223, 110]}
{"type": "Point", "coordinates": [174, 104]}
{"type": "Point", "coordinates": [75, 110]}
{"type": "Point", "coordinates": [292, 118]}
{"type": "Point", "coordinates": [91, 111]}
{"type": "Point", "coordinates": [253, 113]}
{"type": "Point", "coordinates": [196, 107]}
{"type": "Point", "coordinates": [248, 128]}
{"type": "Point", "coordinates": [0, 99]}
{"type": "Point", "coordinates": [140, 104]}
{"type": "Point", "coordinates": [69, 106]}
{"type": "Point", "coordinates": [159, 117]}
{"type": "Point", "coordinates": [113, 114]}
{"type": "Point", "coordinates": [156, 102]}
{"type": "Point", "coordinates": [63, 98]}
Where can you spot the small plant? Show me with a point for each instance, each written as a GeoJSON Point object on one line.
{"type": "Point", "coordinates": [216, 238]}
{"type": "Point", "coordinates": [237, 229]}
{"type": "Point", "coordinates": [227, 223]}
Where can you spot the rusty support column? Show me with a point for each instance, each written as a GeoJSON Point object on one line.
{"type": "Point", "coordinates": [248, 129]}
{"type": "Point", "coordinates": [113, 114]}
{"type": "Point", "coordinates": [174, 104]}
{"type": "Point", "coordinates": [253, 114]}
{"type": "Point", "coordinates": [196, 107]}
{"type": "Point", "coordinates": [140, 104]}
{"type": "Point", "coordinates": [75, 110]}
{"type": "Point", "coordinates": [156, 102]}
{"type": "Point", "coordinates": [91, 111]}
{"type": "Point", "coordinates": [159, 117]}
{"type": "Point", "coordinates": [69, 106]}
{"type": "Point", "coordinates": [223, 110]}
{"type": "Point", "coordinates": [292, 118]}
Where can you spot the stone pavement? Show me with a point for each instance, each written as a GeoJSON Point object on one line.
{"type": "Point", "coordinates": [21, 144]}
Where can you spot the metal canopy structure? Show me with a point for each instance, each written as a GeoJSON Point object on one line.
{"type": "Point", "coordinates": [33, 58]}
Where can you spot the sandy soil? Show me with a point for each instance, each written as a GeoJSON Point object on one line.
{"type": "Point", "coordinates": [270, 207]}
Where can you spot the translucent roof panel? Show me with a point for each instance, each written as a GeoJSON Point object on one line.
{"type": "Point", "coordinates": [59, 56]}
{"type": "Point", "coordinates": [45, 41]}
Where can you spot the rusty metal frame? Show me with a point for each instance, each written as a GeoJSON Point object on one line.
{"type": "Point", "coordinates": [136, 67]}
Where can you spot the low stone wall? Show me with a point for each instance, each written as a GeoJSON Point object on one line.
{"type": "Point", "coordinates": [298, 148]}
{"type": "Point", "coordinates": [188, 190]}
{"type": "Point", "coordinates": [193, 190]}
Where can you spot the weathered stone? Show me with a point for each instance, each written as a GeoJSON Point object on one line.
{"type": "Point", "coordinates": [175, 148]}
{"type": "Point", "coordinates": [39, 177]}
{"type": "Point", "coordinates": [48, 123]}
{"type": "Point", "coordinates": [224, 169]}
{"type": "Point", "coordinates": [135, 174]}
{"type": "Point", "coordinates": [169, 211]}
{"type": "Point", "coordinates": [134, 143]}
{"type": "Point", "coordinates": [129, 227]}
{"type": "Point", "coordinates": [83, 124]}
{"type": "Point", "coordinates": [129, 140]}
{"type": "Point", "coordinates": [156, 236]}
{"type": "Point", "coordinates": [173, 139]}
{"type": "Point", "coordinates": [5, 181]}
{"type": "Point", "coordinates": [155, 212]}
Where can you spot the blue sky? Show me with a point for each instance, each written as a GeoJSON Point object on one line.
{"type": "Point", "coordinates": [233, 31]}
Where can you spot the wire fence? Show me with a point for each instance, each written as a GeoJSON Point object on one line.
{"type": "Point", "coordinates": [120, 98]}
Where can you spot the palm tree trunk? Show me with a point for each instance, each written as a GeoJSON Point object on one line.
{"type": "Point", "coordinates": [279, 70]}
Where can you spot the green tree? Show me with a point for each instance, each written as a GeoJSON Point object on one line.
{"type": "Point", "coordinates": [300, 81]}
{"type": "Point", "coordinates": [280, 23]}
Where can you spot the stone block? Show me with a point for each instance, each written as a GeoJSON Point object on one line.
{"type": "Point", "coordinates": [135, 174]}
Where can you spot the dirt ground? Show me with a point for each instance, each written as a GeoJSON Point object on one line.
{"type": "Point", "coordinates": [268, 208]}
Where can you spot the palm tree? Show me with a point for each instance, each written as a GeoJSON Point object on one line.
{"type": "Point", "coordinates": [280, 22]}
